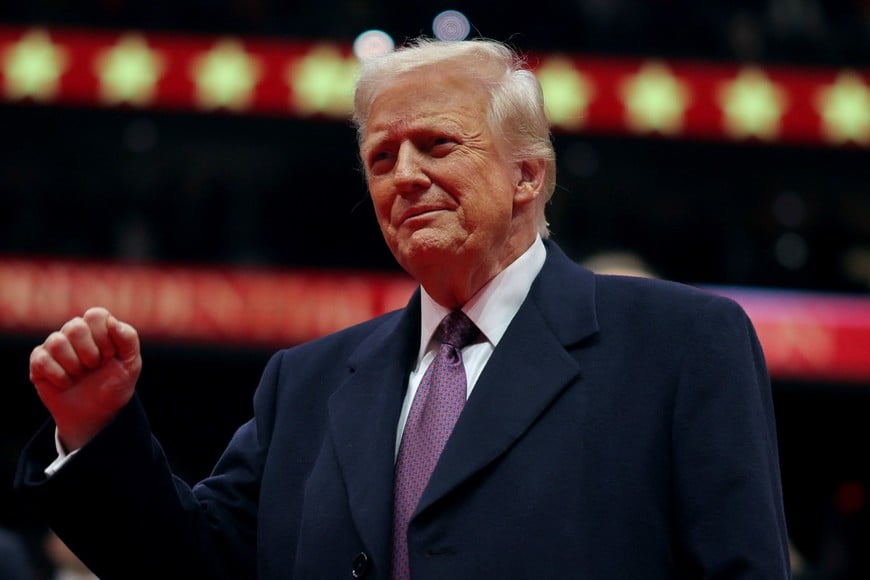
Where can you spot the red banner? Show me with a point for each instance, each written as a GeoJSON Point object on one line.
{"type": "Point", "coordinates": [200, 305]}
{"type": "Point", "coordinates": [805, 336]}
{"type": "Point", "coordinates": [810, 336]}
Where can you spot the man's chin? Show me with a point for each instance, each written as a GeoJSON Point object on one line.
{"type": "Point", "coordinates": [424, 248]}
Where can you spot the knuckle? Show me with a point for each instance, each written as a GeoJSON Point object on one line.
{"type": "Point", "coordinates": [76, 327]}
{"type": "Point", "coordinates": [95, 313]}
{"type": "Point", "coordinates": [55, 341]}
{"type": "Point", "coordinates": [40, 360]}
{"type": "Point", "coordinates": [37, 356]}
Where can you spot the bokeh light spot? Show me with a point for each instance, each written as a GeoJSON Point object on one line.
{"type": "Point", "coordinates": [372, 43]}
{"type": "Point", "coordinates": [451, 25]}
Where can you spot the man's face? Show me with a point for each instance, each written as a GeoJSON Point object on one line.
{"type": "Point", "coordinates": [442, 191]}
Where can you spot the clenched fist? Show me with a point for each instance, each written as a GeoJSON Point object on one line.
{"type": "Point", "coordinates": [85, 372]}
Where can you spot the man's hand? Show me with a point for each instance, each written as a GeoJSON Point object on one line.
{"type": "Point", "coordinates": [85, 372]}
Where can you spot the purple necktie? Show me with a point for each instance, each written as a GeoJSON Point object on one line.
{"type": "Point", "coordinates": [436, 407]}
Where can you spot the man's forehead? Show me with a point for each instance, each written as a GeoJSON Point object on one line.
{"type": "Point", "coordinates": [400, 110]}
{"type": "Point", "coordinates": [392, 124]}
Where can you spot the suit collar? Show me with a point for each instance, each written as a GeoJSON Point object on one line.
{"type": "Point", "coordinates": [564, 294]}
{"type": "Point", "coordinates": [493, 306]}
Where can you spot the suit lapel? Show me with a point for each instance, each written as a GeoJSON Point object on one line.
{"type": "Point", "coordinates": [525, 374]}
{"type": "Point", "coordinates": [527, 371]}
{"type": "Point", "coordinates": [363, 415]}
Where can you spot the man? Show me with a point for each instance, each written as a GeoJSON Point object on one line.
{"type": "Point", "coordinates": [613, 428]}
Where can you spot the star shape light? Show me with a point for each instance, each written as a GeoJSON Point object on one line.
{"type": "Point", "coordinates": [225, 76]}
{"type": "Point", "coordinates": [752, 105]}
{"type": "Point", "coordinates": [567, 92]}
{"type": "Point", "coordinates": [655, 100]}
{"type": "Point", "coordinates": [845, 109]}
{"type": "Point", "coordinates": [129, 71]}
{"type": "Point", "coordinates": [33, 66]}
{"type": "Point", "coordinates": [323, 82]}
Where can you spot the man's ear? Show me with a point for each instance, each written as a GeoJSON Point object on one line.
{"type": "Point", "coordinates": [530, 180]}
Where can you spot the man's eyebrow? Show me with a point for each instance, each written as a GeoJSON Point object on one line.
{"type": "Point", "coordinates": [374, 140]}
{"type": "Point", "coordinates": [437, 123]}
{"type": "Point", "coordinates": [382, 132]}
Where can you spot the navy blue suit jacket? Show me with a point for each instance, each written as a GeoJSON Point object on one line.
{"type": "Point", "coordinates": [623, 429]}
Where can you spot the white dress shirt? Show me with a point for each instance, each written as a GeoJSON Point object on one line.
{"type": "Point", "coordinates": [491, 310]}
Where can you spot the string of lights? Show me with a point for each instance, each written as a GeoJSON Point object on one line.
{"type": "Point", "coordinates": [255, 76]}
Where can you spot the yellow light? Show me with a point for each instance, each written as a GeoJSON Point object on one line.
{"type": "Point", "coordinates": [129, 72]}
{"type": "Point", "coordinates": [33, 67]}
{"type": "Point", "coordinates": [225, 76]}
{"type": "Point", "coordinates": [655, 100]}
{"type": "Point", "coordinates": [752, 105]}
{"type": "Point", "coordinates": [845, 109]}
{"type": "Point", "coordinates": [567, 92]}
{"type": "Point", "coordinates": [323, 82]}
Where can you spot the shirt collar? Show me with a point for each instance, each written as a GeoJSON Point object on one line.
{"type": "Point", "coordinates": [494, 305]}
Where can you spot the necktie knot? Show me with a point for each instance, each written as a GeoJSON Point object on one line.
{"type": "Point", "coordinates": [457, 330]}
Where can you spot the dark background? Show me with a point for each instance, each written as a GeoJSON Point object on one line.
{"type": "Point", "coordinates": [229, 190]}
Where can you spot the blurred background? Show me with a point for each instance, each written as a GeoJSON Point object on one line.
{"type": "Point", "coordinates": [191, 166]}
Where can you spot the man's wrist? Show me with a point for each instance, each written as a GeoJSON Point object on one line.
{"type": "Point", "coordinates": [62, 456]}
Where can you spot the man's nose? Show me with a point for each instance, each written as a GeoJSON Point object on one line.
{"type": "Point", "coordinates": [410, 171]}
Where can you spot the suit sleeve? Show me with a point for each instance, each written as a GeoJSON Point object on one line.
{"type": "Point", "coordinates": [727, 479]}
{"type": "Point", "coordinates": [118, 506]}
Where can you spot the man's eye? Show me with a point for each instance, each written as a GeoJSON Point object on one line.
{"type": "Point", "coordinates": [442, 145]}
{"type": "Point", "coordinates": [380, 161]}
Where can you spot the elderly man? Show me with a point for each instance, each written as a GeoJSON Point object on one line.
{"type": "Point", "coordinates": [520, 417]}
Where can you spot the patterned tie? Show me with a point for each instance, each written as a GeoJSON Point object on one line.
{"type": "Point", "coordinates": [436, 407]}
